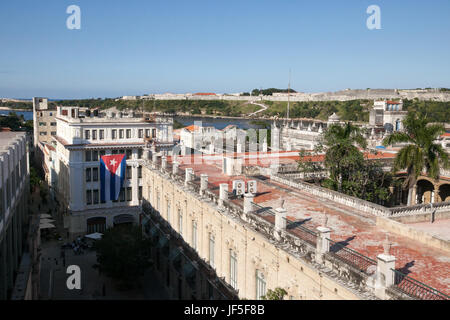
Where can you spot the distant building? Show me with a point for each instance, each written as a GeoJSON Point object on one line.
{"type": "Point", "coordinates": [388, 114]}
{"type": "Point", "coordinates": [44, 124]}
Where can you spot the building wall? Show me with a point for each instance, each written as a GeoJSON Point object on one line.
{"type": "Point", "coordinates": [254, 251]}
{"type": "Point", "coordinates": [14, 189]}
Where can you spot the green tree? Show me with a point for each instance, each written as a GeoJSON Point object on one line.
{"type": "Point", "coordinates": [276, 294]}
{"type": "Point", "coordinates": [421, 152]}
{"type": "Point", "coordinates": [342, 156]}
{"type": "Point", "coordinates": [123, 254]}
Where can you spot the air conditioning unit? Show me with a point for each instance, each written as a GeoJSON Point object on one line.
{"type": "Point", "coordinates": [239, 187]}
{"type": "Point", "coordinates": [251, 187]}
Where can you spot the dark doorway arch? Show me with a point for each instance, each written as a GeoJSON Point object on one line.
{"type": "Point", "coordinates": [96, 224]}
{"type": "Point", "coordinates": [444, 192]}
{"type": "Point", "coordinates": [425, 191]}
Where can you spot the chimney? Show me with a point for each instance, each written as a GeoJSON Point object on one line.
{"type": "Point", "coordinates": [223, 195]}
{"type": "Point", "coordinates": [203, 183]}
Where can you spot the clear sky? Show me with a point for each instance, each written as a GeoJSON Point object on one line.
{"type": "Point", "coordinates": [136, 47]}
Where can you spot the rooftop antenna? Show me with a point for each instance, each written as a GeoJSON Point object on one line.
{"type": "Point", "coordinates": [289, 90]}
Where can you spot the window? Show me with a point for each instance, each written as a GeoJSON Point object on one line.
{"type": "Point", "coordinates": [122, 195]}
{"type": "Point", "coordinates": [95, 155]}
{"type": "Point", "coordinates": [140, 193]}
{"type": "Point", "coordinates": [42, 124]}
{"type": "Point", "coordinates": [114, 151]}
{"type": "Point", "coordinates": [211, 250]}
{"type": "Point", "coordinates": [94, 134]}
{"type": "Point", "coordinates": [121, 134]}
{"type": "Point", "coordinates": [129, 194]}
{"type": "Point", "coordinates": [101, 134]}
{"type": "Point", "coordinates": [51, 114]}
{"type": "Point", "coordinates": [194, 234]}
{"type": "Point", "coordinates": [43, 133]}
{"type": "Point", "coordinates": [128, 173]}
{"type": "Point", "coordinates": [147, 133]}
{"type": "Point", "coordinates": [233, 269]}
{"type": "Point", "coordinates": [94, 174]}
{"type": "Point", "coordinates": [53, 133]}
{"type": "Point", "coordinates": [140, 152]}
{"type": "Point", "coordinates": [88, 197]}
{"type": "Point", "coordinates": [88, 175]}
{"type": "Point", "coordinates": [87, 134]}
{"type": "Point", "coordinates": [260, 285]}
{"type": "Point", "coordinates": [140, 172]}
{"type": "Point", "coordinates": [87, 156]}
{"type": "Point", "coordinates": [53, 124]}
{"type": "Point", "coordinates": [129, 153]}
{"type": "Point", "coordinates": [102, 153]}
{"type": "Point", "coordinates": [180, 222]}
{"type": "Point", "coordinates": [168, 211]}
{"type": "Point", "coordinates": [128, 133]}
{"type": "Point", "coordinates": [96, 198]}
{"type": "Point", "coordinates": [122, 151]}
{"type": "Point", "coordinates": [113, 134]}
{"type": "Point", "coordinates": [140, 133]}
{"type": "Point", "coordinates": [153, 133]}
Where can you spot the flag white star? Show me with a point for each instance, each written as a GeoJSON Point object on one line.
{"type": "Point", "coordinates": [113, 162]}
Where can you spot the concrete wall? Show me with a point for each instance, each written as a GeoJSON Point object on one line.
{"type": "Point", "coordinates": [414, 234]}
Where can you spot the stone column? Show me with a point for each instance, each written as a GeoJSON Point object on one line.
{"type": "Point", "coordinates": [436, 194]}
{"type": "Point", "coordinates": [163, 163]}
{"type": "Point", "coordinates": [323, 244]}
{"type": "Point", "coordinates": [385, 276]}
{"type": "Point", "coordinates": [280, 222]}
{"type": "Point", "coordinates": [248, 200]}
{"type": "Point", "coordinates": [223, 195]}
{"type": "Point", "coordinates": [238, 147]}
{"type": "Point", "coordinates": [203, 183]}
{"type": "Point", "coordinates": [413, 196]}
{"type": "Point", "coordinates": [154, 160]}
{"type": "Point", "coordinates": [174, 168]}
{"type": "Point", "coordinates": [188, 177]}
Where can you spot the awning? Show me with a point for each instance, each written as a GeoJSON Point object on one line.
{"type": "Point", "coordinates": [46, 226]}
{"type": "Point", "coordinates": [42, 221]}
{"type": "Point", "coordinates": [45, 216]}
{"type": "Point", "coordinates": [94, 236]}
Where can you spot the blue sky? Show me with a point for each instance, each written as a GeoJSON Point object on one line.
{"type": "Point", "coordinates": [135, 47]}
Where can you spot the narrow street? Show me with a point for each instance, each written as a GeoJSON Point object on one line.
{"type": "Point", "coordinates": [94, 286]}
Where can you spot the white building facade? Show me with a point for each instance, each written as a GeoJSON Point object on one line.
{"type": "Point", "coordinates": [81, 141]}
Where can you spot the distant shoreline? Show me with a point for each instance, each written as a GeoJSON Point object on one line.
{"type": "Point", "coordinates": [13, 109]}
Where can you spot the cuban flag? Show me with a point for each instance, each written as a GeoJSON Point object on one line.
{"type": "Point", "coordinates": [112, 174]}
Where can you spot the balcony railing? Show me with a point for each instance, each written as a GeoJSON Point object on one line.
{"type": "Point", "coordinates": [352, 257]}
{"type": "Point", "coordinates": [416, 289]}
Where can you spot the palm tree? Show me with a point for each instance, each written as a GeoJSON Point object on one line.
{"type": "Point", "coordinates": [342, 154]}
{"type": "Point", "coordinates": [421, 151]}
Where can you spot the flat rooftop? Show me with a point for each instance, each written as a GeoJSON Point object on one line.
{"type": "Point", "coordinates": [350, 227]}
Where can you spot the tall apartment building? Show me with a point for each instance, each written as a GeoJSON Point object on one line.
{"type": "Point", "coordinates": [81, 139]}
{"type": "Point", "coordinates": [14, 190]}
